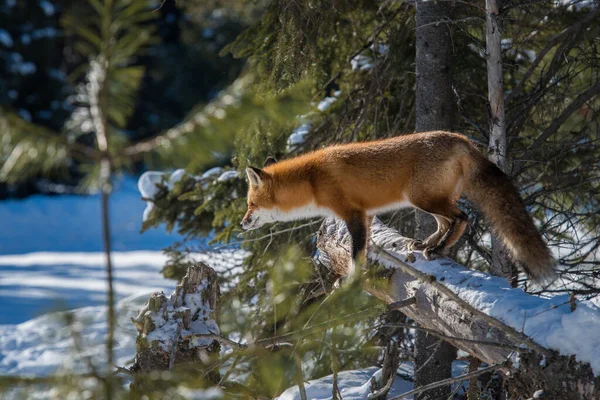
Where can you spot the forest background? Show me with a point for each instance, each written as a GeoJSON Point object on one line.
{"type": "Point", "coordinates": [93, 91]}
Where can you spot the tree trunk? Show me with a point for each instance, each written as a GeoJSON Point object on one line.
{"type": "Point", "coordinates": [434, 110]}
{"type": "Point", "coordinates": [109, 272]}
{"type": "Point", "coordinates": [389, 369]}
{"type": "Point", "coordinates": [434, 99]}
{"type": "Point", "coordinates": [99, 101]}
{"type": "Point", "coordinates": [473, 391]}
{"type": "Point", "coordinates": [501, 263]}
{"type": "Point", "coordinates": [443, 313]}
{"type": "Point", "coordinates": [433, 362]}
{"type": "Point", "coordinates": [434, 96]}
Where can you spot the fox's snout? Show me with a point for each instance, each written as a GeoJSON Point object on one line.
{"type": "Point", "coordinates": [249, 221]}
{"type": "Point", "coordinates": [246, 221]}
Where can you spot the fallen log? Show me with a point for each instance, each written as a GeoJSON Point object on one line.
{"type": "Point", "coordinates": [479, 314]}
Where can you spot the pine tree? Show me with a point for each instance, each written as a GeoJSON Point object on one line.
{"type": "Point", "coordinates": [359, 60]}
{"type": "Point", "coordinates": [332, 72]}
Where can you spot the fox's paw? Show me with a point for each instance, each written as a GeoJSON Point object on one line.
{"type": "Point", "coordinates": [429, 254]}
{"type": "Point", "coordinates": [415, 245]}
{"type": "Point", "coordinates": [434, 252]}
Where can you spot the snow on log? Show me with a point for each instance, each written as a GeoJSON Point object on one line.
{"type": "Point", "coordinates": [169, 328]}
{"type": "Point", "coordinates": [551, 347]}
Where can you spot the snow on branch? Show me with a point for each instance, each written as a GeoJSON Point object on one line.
{"type": "Point", "coordinates": [482, 315]}
{"type": "Point", "coordinates": [149, 183]}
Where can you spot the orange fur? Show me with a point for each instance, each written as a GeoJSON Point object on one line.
{"type": "Point", "coordinates": [428, 170]}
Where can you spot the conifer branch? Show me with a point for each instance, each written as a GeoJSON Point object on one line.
{"type": "Point", "coordinates": [230, 96]}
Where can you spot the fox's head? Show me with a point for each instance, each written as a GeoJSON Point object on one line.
{"type": "Point", "coordinates": [261, 204]}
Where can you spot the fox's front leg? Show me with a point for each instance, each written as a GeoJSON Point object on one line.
{"type": "Point", "coordinates": [356, 221]}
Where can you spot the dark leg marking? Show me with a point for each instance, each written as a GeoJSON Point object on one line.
{"type": "Point", "coordinates": [358, 231]}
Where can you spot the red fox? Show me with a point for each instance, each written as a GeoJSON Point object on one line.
{"type": "Point", "coordinates": [427, 170]}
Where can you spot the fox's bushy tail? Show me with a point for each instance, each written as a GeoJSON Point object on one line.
{"type": "Point", "coordinates": [495, 195]}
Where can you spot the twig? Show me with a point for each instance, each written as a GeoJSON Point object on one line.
{"type": "Point", "coordinates": [366, 45]}
{"type": "Point", "coordinates": [229, 370]}
{"type": "Point", "coordinates": [222, 340]}
{"type": "Point", "coordinates": [454, 338]}
{"type": "Point", "coordinates": [401, 304]}
{"type": "Point", "coordinates": [192, 123]}
{"type": "Point", "coordinates": [11, 381]}
{"type": "Point", "coordinates": [122, 370]}
{"type": "Point", "coordinates": [335, 389]}
{"type": "Point", "coordinates": [571, 31]}
{"type": "Point", "coordinates": [283, 339]}
{"type": "Point", "coordinates": [300, 377]}
{"type": "Point", "coordinates": [76, 335]}
{"type": "Point", "coordinates": [433, 354]}
{"type": "Point", "coordinates": [570, 109]}
{"type": "Point", "coordinates": [160, 6]}
{"type": "Point", "coordinates": [313, 328]}
{"type": "Point", "coordinates": [269, 235]}
{"type": "Point", "coordinates": [383, 390]}
{"type": "Point", "coordinates": [450, 381]}
{"type": "Point", "coordinates": [390, 365]}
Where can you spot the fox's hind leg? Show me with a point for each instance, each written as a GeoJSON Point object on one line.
{"type": "Point", "coordinates": [457, 232]}
{"type": "Point", "coordinates": [457, 223]}
{"type": "Point", "coordinates": [451, 224]}
{"type": "Point", "coordinates": [436, 191]}
{"type": "Point", "coordinates": [442, 227]}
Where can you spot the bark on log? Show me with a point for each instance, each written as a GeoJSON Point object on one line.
{"type": "Point", "coordinates": [439, 309]}
{"type": "Point", "coordinates": [168, 326]}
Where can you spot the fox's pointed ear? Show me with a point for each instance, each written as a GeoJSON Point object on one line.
{"type": "Point", "coordinates": [270, 161]}
{"type": "Point", "coordinates": [254, 176]}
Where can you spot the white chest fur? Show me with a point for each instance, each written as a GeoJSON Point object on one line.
{"type": "Point", "coordinates": [308, 211]}
{"type": "Point", "coordinates": [311, 210]}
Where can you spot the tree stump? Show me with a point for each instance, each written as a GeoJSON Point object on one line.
{"type": "Point", "coordinates": [169, 327]}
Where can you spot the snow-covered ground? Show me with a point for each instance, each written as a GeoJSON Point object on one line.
{"type": "Point", "coordinates": [46, 344]}
{"type": "Point", "coordinates": [51, 259]}
{"type": "Point", "coordinates": [37, 283]}
{"type": "Point", "coordinates": [356, 384]}
{"type": "Point", "coordinates": [51, 252]}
